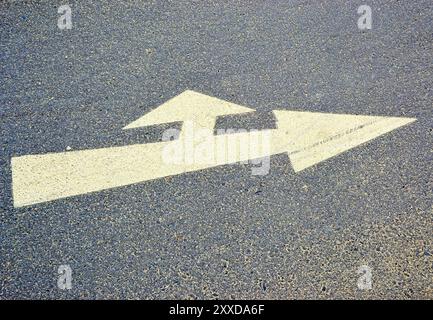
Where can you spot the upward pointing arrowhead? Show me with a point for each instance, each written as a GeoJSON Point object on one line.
{"type": "Point", "coordinates": [189, 106]}
{"type": "Point", "coordinates": [308, 137]}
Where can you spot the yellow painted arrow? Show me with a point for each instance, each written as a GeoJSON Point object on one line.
{"type": "Point", "coordinates": [307, 137]}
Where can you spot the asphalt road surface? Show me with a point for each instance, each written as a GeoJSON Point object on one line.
{"type": "Point", "coordinates": [220, 233]}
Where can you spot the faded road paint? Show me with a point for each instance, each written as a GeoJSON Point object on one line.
{"type": "Point", "coordinates": [308, 138]}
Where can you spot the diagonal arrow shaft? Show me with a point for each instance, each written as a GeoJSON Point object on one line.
{"type": "Point", "coordinates": [308, 138]}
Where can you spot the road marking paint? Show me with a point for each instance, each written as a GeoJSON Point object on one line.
{"type": "Point", "coordinates": [192, 106]}
{"type": "Point", "coordinates": [308, 138]}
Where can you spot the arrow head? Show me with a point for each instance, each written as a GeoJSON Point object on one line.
{"type": "Point", "coordinates": [189, 106]}
{"type": "Point", "coordinates": [312, 137]}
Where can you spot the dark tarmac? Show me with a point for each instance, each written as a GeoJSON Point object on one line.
{"type": "Point", "coordinates": [220, 233]}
